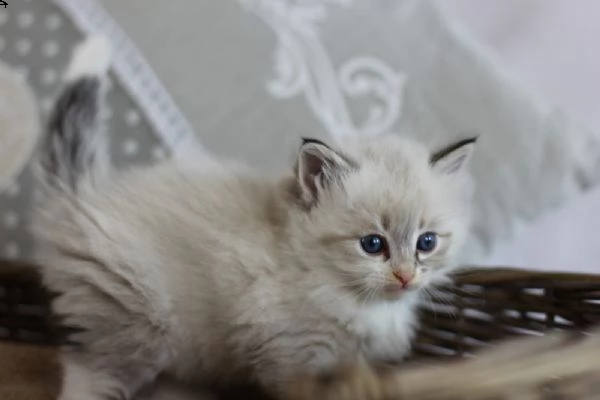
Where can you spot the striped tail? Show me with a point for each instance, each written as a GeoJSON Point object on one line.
{"type": "Point", "coordinates": [74, 150]}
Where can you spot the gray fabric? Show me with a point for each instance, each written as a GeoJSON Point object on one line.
{"type": "Point", "coordinates": [19, 122]}
{"type": "Point", "coordinates": [36, 39]}
{"type": "Point", "coordinates": [216, 58]}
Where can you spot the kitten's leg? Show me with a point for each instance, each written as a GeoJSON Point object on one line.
{"type": "Point", "coordinates": [120, 349]}
{"type": "Point", "coordinates": [312, 362]}
{"type": "Point", "coordinates": [358, 382]}
{"type": "Point", "coordinates": [79, 383]}
{"type": "Point", "coordinates": [287, 358]}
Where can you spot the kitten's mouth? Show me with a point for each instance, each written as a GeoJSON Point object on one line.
{"type": "Point", "coordinates": [394, 288]}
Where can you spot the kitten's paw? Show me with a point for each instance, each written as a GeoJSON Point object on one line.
{"type": "Point", "coordinates": [79, 383]}
{"type": "Point", "coordinates": [349, 383]}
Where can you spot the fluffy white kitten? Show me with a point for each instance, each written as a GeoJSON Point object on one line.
{"type": "Point", "coordinates": [217, 272]}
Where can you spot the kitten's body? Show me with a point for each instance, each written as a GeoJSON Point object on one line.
{"type": "Point", "coordinates": [212, 271]}
{"type": "Point", "coordinates": [186, 250]}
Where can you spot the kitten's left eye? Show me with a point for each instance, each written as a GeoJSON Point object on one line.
{"type": "Point", "coordinates": [427, 242]}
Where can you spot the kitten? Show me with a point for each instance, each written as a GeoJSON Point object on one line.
{"type": "Point", "coordinates": [214, 272]}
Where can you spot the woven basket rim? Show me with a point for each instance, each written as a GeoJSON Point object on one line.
{"type": "Point", "coordinates": [501, 274]}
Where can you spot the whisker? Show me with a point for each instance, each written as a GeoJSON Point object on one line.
{"type": "Point", "coordinates": [441, 300]}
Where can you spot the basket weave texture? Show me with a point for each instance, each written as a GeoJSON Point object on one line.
{"type": "Point", "coordinates": [490, 304]}
{"type": "Point", "coordinates": [24, 306]}
{"type": "Point", "coordinates": [456, 354]}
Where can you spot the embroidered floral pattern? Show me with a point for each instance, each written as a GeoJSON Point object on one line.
{"type": "Point", "coordinates": [304, 66]}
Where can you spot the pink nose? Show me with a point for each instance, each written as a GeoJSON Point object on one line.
{"type": "Point", "coordinates": [404, 279]}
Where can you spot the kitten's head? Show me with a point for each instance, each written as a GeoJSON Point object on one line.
{"type": "Point", "coordinates": [384, 215]}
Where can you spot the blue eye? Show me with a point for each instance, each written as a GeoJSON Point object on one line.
{"type": "Point", "coordinates": [373, 244]}
{"type": "Point", "coordinates": [427, 242]}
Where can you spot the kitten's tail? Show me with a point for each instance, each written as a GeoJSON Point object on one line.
{"type": "Point", "coordinates": [74, 150]}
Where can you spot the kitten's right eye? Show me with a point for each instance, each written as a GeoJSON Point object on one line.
{"type": "Point", "coordinates": [373, 244]}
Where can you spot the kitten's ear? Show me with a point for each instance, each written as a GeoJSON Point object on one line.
{"type": "Point", "coordinates": [453, 158]}
{"type": "Point", "coordinates": [317, 167]}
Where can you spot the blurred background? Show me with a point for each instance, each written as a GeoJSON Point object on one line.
{"type": "Point", "coordinates": [550, 45]}
{"type": "Point", "coordinates": [247, 78]}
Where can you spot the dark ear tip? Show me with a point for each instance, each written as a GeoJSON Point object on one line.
{"type": "Point", "coordinates": [469, 140]}
{"type": "Point", "coordinates": [306, 141]}
{"type": "Point", "coordinates": [435, 157]}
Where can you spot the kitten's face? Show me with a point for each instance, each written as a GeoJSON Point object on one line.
{"type": "Point", "coordinates": [386, 216]}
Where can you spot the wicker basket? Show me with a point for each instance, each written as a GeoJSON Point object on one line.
{"type": "Point", "coordinates": [24, 306]}
{"type": "Point", "coordinates": [543, 327]}
{"type": "Point", "coordinates": [453, 356]}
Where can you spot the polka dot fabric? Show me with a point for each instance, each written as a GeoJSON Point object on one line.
{"type": "Point", "coordinates": [36, 39]}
